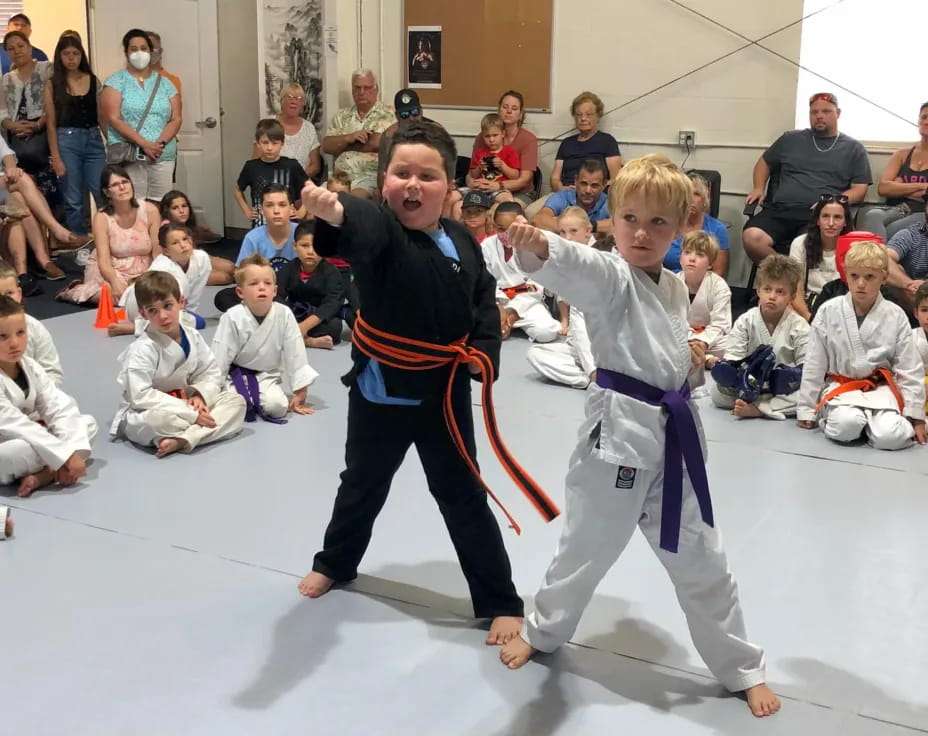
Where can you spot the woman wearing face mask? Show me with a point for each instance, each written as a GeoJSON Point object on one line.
{"type": "Point", "coordinates": [301, 142]}
{"type": "Point", "coordinates": [122, 105]}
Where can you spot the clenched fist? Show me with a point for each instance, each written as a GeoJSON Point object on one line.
{"type": "Point", "coordinates": [320, 202]}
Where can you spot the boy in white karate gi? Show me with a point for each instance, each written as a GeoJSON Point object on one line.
{"type": "Point", "coordinates": [710, 297]}
{"type": "Point", "coordinates": [520, 300]}
{"type": "Point", "coordinates": [31, 453]}
{"type": "Point", "coordinates": [172, 391]}
{"type": "Point", "coordinates": [40, 346]}
{"type": "Point", "coordinates": [258, 345]}
{"type": "Point", "coordinates": [627, 471]}
{"type": "Point", "coordinates": [190, 266]}
{"type": "Point", "coordinates": [863, 373]}
{"type": "Point", "coordinates": [571, 362]}
{"type": "Point", "coordinates": [772, 322]}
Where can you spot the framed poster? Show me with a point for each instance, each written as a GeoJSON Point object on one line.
{"type": "Point", "coordinates": [423, 65]}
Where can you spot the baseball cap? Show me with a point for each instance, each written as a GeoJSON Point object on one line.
{"type": "Point", "coordinates": [476, 198]}
{"type": "Point", "coordinates": [406, 102]}
{"type": "Point", "coordinates": [827, 96]}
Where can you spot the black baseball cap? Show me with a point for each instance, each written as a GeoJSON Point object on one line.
{"type": "Point", "coordinates": [407, 101]}
{"type": "Point", "coordinates": [476, 198]}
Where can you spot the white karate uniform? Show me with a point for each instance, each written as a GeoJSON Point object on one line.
{"type": "Point", "coordinates": [710, 313]}
{"type": "Point", "coordinates": [152, 366]}
{"type": "Point", "coordinates": [274, 348]}
{"type": "Point", "coordinates": [192, 282]}
{"type": "Point", "coordinates": [25, 445]}
{"type": "Point", "coordinates": [637, 328]}
{"type": "Point", "coordinates": [534, 318]}
{"type": "Point", "coordinates": [921, 345]}
{"type": "Point", "coordinates": [41, 348]}
{"type": "Point", "coordinates": [789, 341]}
{"type": "Point", "coordinates": [569, 362]}
{"type": "Point", "coordinates": [838, 346]}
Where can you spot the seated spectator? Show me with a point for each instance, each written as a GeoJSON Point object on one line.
{"type": "Point", "coordinates": [700, 219]}
{"type": "Point", "coordinates": [589, 142]}
{"type": "Point", "coordinates": [20, 23]}
{"type": "Point", "coordinates": [710, 297]}
{"type": "Point", "coordinates": [353, 135]}
{"type": "Point", "coordinates": [807, 163]}
{"type": "Point", "coordinates": [908, 261]}
{"type": "Point", "coordinates": [588, 194]}
{"type": "Point", "coordinates": [815, 250]}
{"type": "Point", "coordinates": [271, 168]}
{"type": "Point", "coordinates": [176, 210]}
{"type": "Point", "coordinates": [493, 166]}
{"type": "Point", "coordinates": [512, 112]}
{"type": "Point", "coordinates": [475, 214]}
{"type": "Point", "coordinates": [904, 184]}
{"type": "Point", "coordinates": [300, 140]}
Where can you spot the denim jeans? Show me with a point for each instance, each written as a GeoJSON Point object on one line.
{"type": "Point", "coordinates": [84, 157]}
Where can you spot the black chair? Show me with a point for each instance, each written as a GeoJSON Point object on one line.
{"type": "Point", "coordinates": [537, 182]}
{"type": "Point", "coordinates": [460, 171]}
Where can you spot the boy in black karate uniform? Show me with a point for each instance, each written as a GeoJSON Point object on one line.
{"type": "Point", "coordinates": [423, 278]}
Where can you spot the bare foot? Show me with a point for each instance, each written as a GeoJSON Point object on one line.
{"type": "Point", "coordinates": [762, 701]}
{"type": "Point", "coordinates": [120, 328]}
{"type": "Point", "coordinates": [315, 585]}
{"type": "Point", "coordinates": [744, 410]}
{"type": "Point", "coordinates": [34, 482]}
{"type": "Point", "coordinates": [170, 445]}
{"type": "Point", "coordinates": [324, 343]}
{"type": "Point", "coordinates": [504, 629]}
{"type": "Point", "coordinates": [8, 528]}
{"type": "Point", "coordinates": [516, 653]}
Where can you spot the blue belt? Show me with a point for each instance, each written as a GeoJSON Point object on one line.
{"type": "Point", "coordinates": [245, 381]}
{"type": "Point", "coordinates": [682, 444]}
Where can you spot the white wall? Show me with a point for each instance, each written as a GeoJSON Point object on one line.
{"type": "Point", "coordinates": [51, 17]}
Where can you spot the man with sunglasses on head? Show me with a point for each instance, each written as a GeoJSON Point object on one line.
{"type": "Point", "coordinates": [804, 163]}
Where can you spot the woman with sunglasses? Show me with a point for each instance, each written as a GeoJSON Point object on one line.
{"type": "Point", "coordinates": [301, 142]}
{"type": "Point", "coordinates": [815, 250]}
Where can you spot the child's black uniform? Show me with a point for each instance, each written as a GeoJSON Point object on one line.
{"type": "Point", "coordinates": [408, 287]}
{"type": "Point", "coordinates": [321, 294]}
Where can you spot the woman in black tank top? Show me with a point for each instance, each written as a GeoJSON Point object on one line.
{"type": "Point", "coordinates": [74, 137]}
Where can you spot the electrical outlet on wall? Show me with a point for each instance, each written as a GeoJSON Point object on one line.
{"type": "Point", "coordinates": [687, 139]}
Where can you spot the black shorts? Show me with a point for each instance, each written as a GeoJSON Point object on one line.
{"type": "Point", "coordinates": [782, 223]}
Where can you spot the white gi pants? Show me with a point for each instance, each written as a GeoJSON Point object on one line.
{"type": "Point", "coordinates": [556, 362]}
{"type": "Point", "coordinates": [886, 429]}
{"type": "Point", "coordinates": [271, 391]}
{"type": "Point", "coordinates": [536, 321]}
{"type": "Point", "coordinates": [18, 458]}
{"type": "Point", "coordinates": [151, 426]}
{"type": "Point", "coordinates": [599, 520]}
{"type": "Point", "coordinates": [772, 407]}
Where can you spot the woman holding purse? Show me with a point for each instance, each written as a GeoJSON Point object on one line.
{"type": "Point", "coordinates": [142, 113]}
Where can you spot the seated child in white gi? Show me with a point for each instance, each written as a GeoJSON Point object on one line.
{"type": "Point", "coordinates": [571, 362]}
{"type": "Point", "coordinates": [520, 300]}
{"type": "Point", "coordinates": [40, 346]}
{"type": "Point", "coordinates": [920, 333]}
{"type": "Point", "coordinates": [710, 297]}
{"type": "Point", "coordinates": [771, 390]}
{"type": "Point", "coordinates": [863, 373]}
{"type": "Point", "coordinates": [31, 453]}
{"type": "Point", "coordinates": [186, 263]}
{"type": "Point", "coordinates": [627, 470]}
{"type": "Point", "coordinates": [258, 346]}
{"type": "Point", "coordinates": [172, 392]}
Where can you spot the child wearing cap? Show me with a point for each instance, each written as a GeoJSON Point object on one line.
{"type": "Point", "coordinates": [475, 214]}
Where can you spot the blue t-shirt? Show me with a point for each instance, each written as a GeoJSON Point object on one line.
{"type": "Point", "coordinates": [714, 227]}
{"type": "Point", "coordinates": [37, 54]}
{"type": "Point", "coordinates": [257, 241]}
{"type": "Point", "coordinates": [134, 101]}
{"type": "Point", "coordinates": [370, 380]}
{"type": "Point", "coordinates": [560, 201]}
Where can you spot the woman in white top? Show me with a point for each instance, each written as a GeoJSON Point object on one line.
{"type": "Point", "coordinates": [300, 140]}
{"type": "Point", "coordinates": [815, 251]}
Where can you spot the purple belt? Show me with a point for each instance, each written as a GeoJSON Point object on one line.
{"type": "Point", "coordinates": [682, 444]}
{"type": "Point", "coordinates": [245, 381]}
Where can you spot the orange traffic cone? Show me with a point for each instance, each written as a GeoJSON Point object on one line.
{"type": "Point", "coordinates": [106, 314]}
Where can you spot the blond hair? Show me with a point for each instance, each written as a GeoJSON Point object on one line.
{"type": "Point", "coordinates": [657, 178]}
{"type": "Point", "coordinates": [255, 259]}
{"type": "Point", "coordinates": [6, 270]}
{"type": "Point", "coordinates": [576, 213]}
{"type": "Point", "coordinates": [700, 187]}
{"type": "Point", "coordinates": [292, 87]}
{"type": "Point", "coordinates": [699, 241]}
{"type": "Point", "coordinates": [780, 268]}
{"type": "Point", "coordinates": [867, 254]}
{"type": "Point", "coordinates": [490, 120]}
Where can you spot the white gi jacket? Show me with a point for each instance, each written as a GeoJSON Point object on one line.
{"type": "Point", "coordinates": [710, 310]}
{"type": "Point", "coordinates": [789, 339]}
{"type": "Point", "coordinates": [192, 282]}
{"type": "Point", "coordinates": [509, 274]}
{"type": "Point", "coordinates": [41, 348]}
{"type": "Point", "coordinates": [921, 345]}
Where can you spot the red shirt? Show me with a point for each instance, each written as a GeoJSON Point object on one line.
{"type": "Point", "coordinates": [507, 155]}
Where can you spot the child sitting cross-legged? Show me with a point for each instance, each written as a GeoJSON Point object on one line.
{"type": "Point", "coordinates": [172, 391]}
{"type": "Point", "coordinates": [710, 297]}
{"type": "Point", "coordinates": [258, 346]}
{"type": "Point", "coordinates": [766, 348]}
{"type": "Point", "coordinates": [44, 439]}
{"type": "Point", "coordinates": [863, 374]}
{"type": "Point", "coordinates": [39, 346]}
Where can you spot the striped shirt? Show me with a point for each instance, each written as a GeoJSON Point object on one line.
{"type": "Point", "coordinates": [912, 246]}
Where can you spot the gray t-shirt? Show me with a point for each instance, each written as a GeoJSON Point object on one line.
{"type": "Point", "coordinates": [806, 172]}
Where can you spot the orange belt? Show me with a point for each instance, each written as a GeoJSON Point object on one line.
{"type": "Point", "coordinates": [879, 377]}
{"type": "Point", "coordinates": [178, 393]}
{"type": "Point", "coordinates": [511, 291]}
{"type": "Point", "coordinates": [415, 355]}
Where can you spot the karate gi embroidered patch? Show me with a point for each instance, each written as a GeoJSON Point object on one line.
{"type": "Point", "coordinates": [626, 477]}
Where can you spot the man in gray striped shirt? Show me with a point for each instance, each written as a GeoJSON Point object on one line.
{"type": "Point", "coordinates": [908, 261]}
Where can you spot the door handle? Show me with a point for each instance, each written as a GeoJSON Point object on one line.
{"type": "Point", "coordinates": [210, 122]}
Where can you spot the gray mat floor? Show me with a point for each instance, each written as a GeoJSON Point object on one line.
{"type": "Point", "coordinates": [159, 597]}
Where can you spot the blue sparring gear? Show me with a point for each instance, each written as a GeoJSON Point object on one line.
{"type": "Point", "coordinates": [756, 374]}
{"type": "Point", "coordinates": [785, 379]}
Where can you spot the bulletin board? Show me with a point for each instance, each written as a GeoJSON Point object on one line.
{"type": "Point", "coordinates": [485, 47]}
